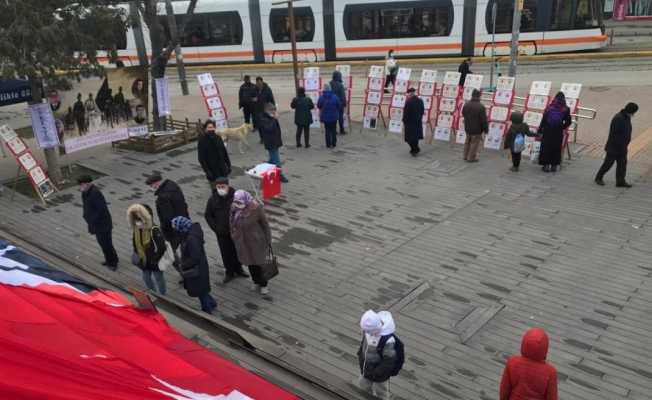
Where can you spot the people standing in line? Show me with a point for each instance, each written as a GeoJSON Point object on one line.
{"type": "Point", "coordinates": [381, 353]}
{"type": "Point", "coordinates": [529, 376]}
{"type": "Point", "coordinates": [148, 244]}
{"type": "Point", "coordinates": [212, 154]}
{"type": "Point", "coordinates": [413, 121]}
{"type": "Point", "coordinates": [476, 124]}
{"type": "Point", "coordinates": [515, 138]}
{"type": "Point", "coordinates": [194, 264]}
{"type": "Point", "coordinates": [337, 86]}
{"type": "Point", "coordinates": [391, 69]}
{"type": "Point", "coordinates": [251, 235]}
{"type": "Point", "coordinates": [217, 213]}
{"type": "Point", "coordinates": [170, 203]}
{"type": "Point", "coordinates": [98, 218]}
{"type": "Point", "coordinates": [270, 131]}
{"type": "Point", "coordinates": [620, 134]}
{"type": "Point", "coordinates": [329, 113]}
{"type": "Point", "coordinates": [247, 99]}
{"type": "Point", "coordinates": [464, 69]}
{"type": "Point", "coordinates": [302, 106]}
{"type": "Point", "coordinates": [555, 120]}
{"type": "Point", "coordinates": [80, 114]}
{"type": "Point", "coordinates": [264, 96]}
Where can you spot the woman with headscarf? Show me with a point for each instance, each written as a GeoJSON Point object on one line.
{"type": "Point", "coordinates": [252, 237]}
{"type": "Point", "coordinates": [148, 244]}
{"type": "Point", "coordinates": [555, 120]}
{"type": "Point", "coordinates": [194, 265]}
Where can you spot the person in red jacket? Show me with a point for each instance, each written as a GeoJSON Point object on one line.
{"type": "Point", "coordinates": [529, 376]}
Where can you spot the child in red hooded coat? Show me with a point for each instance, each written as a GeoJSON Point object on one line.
{"type": "Point", "coordinates": [529, 376]}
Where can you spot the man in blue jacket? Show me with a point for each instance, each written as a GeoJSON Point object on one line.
{"type": "Point", "coordinates": [98, 218]}
{"type": "Point", "coordinates": [329, 113]}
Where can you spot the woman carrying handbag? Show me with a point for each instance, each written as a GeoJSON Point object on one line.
{"type": "Point", "coordinates": [149, 247]}
{"type": "Point", "coordinates": [253, 239]}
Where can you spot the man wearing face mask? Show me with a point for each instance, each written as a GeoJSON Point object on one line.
{"type": "Point", "coordinates": [217, 214]}
{"type": "Point", "coordinates": [98, 218]}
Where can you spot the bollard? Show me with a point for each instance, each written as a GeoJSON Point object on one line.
{"type": "Point", "coordinates": [611, 37]}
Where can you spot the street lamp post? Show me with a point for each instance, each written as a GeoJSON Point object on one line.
{"type": "Point", "coordinates": [516, 29]}
{"type": "Point", "coordinates": [494, 13]}
{"type": "Point", "coordinates": [293, 39]}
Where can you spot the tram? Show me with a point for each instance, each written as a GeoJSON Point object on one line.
{"type": "Point", "coordinates": [255, 31]}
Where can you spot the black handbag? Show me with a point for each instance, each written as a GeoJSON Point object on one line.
{"type": "Point", "coordinates": [270, 270]}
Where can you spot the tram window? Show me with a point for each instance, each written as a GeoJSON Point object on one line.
{"type": "Point", "coordinates": [304, 24]}
{"type": "Point", "coordinates": [587, 15]}
{"type": "Point", "coordinates": [561, 17]}
{"type": "Point", "coordinates": [208, 29]}
{"type": "Point", "coordinates": [398, 20]}
{"type": "Point", "coordinates": [505, 16]}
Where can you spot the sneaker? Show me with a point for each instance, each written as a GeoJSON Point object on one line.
{"type": "Point", "coordinates": [624, 185]}
{"type": "Point", "coordinates": [599, 182]}
{"type": "Point", "coordinates": [264, 290]}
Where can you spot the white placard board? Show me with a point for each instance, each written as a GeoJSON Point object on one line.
{"type": "Point", "coordinates": [315, 118]}
{"type": "Point", "coordinates": [495, 136]}
{"type": "Point", "coordinates": [445, 120]}
{"type": "Point", "coordinates": [572, 103]}
{"type": "Point", "coordinates": [311, 73]}
{"type": "Point", "coordinates": [428, 75]}
{"type": "Point", "coordinates": [210, 90]}
{"type": "Point", "coordinates": [372, 111]}
{"type": "Point", "coordinates": [403, 74]}
{"type": "Point", "coordinates": [396, 113]}
{"type": "Point", "coordinates": [139, 130]}
{"type": "Point", "coordinates": [447, 105]}
{"type": "Point", "coordinates": [314, 96]}
{"type": "Point", "coordinates": [468, 92]}
{"type": "Point", "coordinates": [460, 136]}
{"type": "Point", "coordinates": [401, 86]}
{"type": "Point", "coordinates": [221, 124]}
{"type": "Point", "coordinates": [27, 161]}
{"type": "Point", "coordinates": [37, 175]}
{"type": "Point", "coordinates": [16, 145]}
{"type": "Point", "coordinates": [6, 133]}
{"type": "Point", "coordinates": [311, 84]}
{"type": "Point", "coordinates": [532, 118]}
{"type": "Point", "coordinates": [395, 126]}
{"type": "Point", "coordinates": [452, 78]}
{"type": "Point", "coordinates": [214, 103]}
{"type": "Point", "coordinates": [503, 97]}
{"type": "Point", "coordinates": [537, 102]}
{"type": "Point", "coordinates": [43, 125]}
{"type": "Point", "coordinates": [474, 81]}
{"type": "Point", "coordinates": [370, 122]}
{"type": "Point", "coordinates": [375, 84]}
{"type": "Point", "coordinates": [374, 97]}
{"type": "Point", "coordinates": [426, 89]}
{"type": "Point", "coordinates": [499, 113]}
{"type": "Point", "coordinates": [205, 79]}
{"type": "Point", "coordinates": [163, 96]}
{"type": "Point", "coordinates": [427, 102]}
{"type": "Point", "coordinates": [536, 150]}
{"type": "Point", "coordinates": [450, 91]}
{"type": "Point", "coordinates": [218, 114]}
{"type": "Point", "coordinates": [376, 71]}
{"type": "Point", "coordinates": [571, 90]}
{"type": "Point", "coordinates": [95, 139]}
{"type": "Point", "coordinates": [398, 100]}
{"type": "Point", "coordinates": [541, 88]}
{"type": "Point", "coordinates": [505, 83]}
{"type": "Point", "coordinates": [443, 133]}
{"type": "Point", "coordinates": [529, 142]}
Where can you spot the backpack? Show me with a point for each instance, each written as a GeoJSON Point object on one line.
{"type": "Point", "coordinates": [519, 143]}
{"type": "Point", "coordinates": [400, 352]}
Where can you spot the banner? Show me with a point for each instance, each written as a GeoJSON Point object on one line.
{"type": "Point", "coordinates": [43, 125]}
{"type": "Point", "coordinates": [96, 139]}
{"type": "Point", "coordinates": [163, 96]}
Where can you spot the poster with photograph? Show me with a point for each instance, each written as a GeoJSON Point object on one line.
{"type": "Point", "coordinates": [369, 122]}
{"type": "Point", "coordinates": [16, 145]}
{"type": "Point", "coordinates": [495, 136]}
{"type": "Point", "coordinates": [503, 97]}
{"type": "Point", "coordinates": [445, 120]}
{"type": "Point", "coordinates": [537, 102]}
{"type": "Point", "coordinates": [571, 90]}
{"type": "Point", "coordinates": [395, 126]}
{"type": "Point", "coordinates": [214, 103]}
{"type": "Point", "coordinates": [311, 84]}
{"type": "Point", "coordinates": [218, 114]}
{"type": "Point", "coordinates": [427, 102]}
{"type": "Point", "coordinates": [372, 111]}
{"type": "Point", "coordinates": [428, 76]}
{"type": "Point", "coordinates": [403, 74]}
{"type": "Point", "coordinates": [27, 161]}
{"type": "Point", "coordinates": [468, 92]}
{"type": "Point", "coordinates": [536, 150]}
{"type": "Point", "coordinates": [443, 133]}
{"type": "Point", "coordinates": [474, 81]}
{"type": "Point", "coordinates": [499, 113]}
{"type": "Point", "coordinates": [221, 124]}
{"type": "Point", "coordinates": [529, 144]}
{"type": "Point", "coordinates": [398, 100]}
{"type": "Point", "coordinates": [452, 78]}
{"type": "Point", "coordinates": [447, 105]}
{"type": "Point", "coordinates": [37, 175]}
{"type": "Point", "coordinates": [533, 118]}
{"type": "Point", "coordinates": [209, 90]}
{"type": "Point", "coordinates": [6, 133]}
{"type": "Point", "coordinates": [396, 113]}
{"type": "Point", "coordinates": [311, 73]}
{"type": "Point", "coordinates": [374, 97]}
{"type": "Point", "coordinates": [505, 83]}
{"type": "Point", "coordinates": [572, 103]}
{"type": "Point", "coordinates": [460, 136]}
{"type": "Point", "coordinates": [541, 88]}
{"type": "Point", "coordinates": [205, 79]}
{"type": "Point", "coordinates": [450, 91]}
{"type": "Point", "coordinates": [376, 71]}
{"type": "Point", "coordinates": [401, 86]}
{"type": "Point", "coordinates": [426, 89]}
{"type": "Point", "coordinates": [375, 84]}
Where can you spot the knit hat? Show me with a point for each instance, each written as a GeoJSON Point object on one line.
{"type": "Point", "coordinates": [411, 90]}
{"type": "Point", "coordinates": [222, 180]}
{"type": "Point", "coordinates": [181, 224]}
{"type": "Point", "coordinates": [631, 108]}
{"type": "Point", "coordinates": [155, 177]}
{"type": "Point", "coordinates": [370, 322]}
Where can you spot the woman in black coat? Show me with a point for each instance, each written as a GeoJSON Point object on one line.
{"type": "Point", "coordinates": [212, 153]}
{"type": "Point", "coordinates": [194, 265]}
{"type": "Point", "coordinates": [302, 106]}
{"type": "Point", "coordinates": [555, 121]}
{"type": "Point", "coordinates": [413, 121]}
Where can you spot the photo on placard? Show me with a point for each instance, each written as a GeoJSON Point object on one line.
{"type": "Point", "coordinates": [27, 161]}
{"type": "Point", "coordinates": [395, 126]}
{"type": "Point", "coordinates": [499, 113]}
{"type": "Point", "coordinates": [445, 120]}
{"type": "Point", "coordinates": [401, 86]}
{"type": "Point", "coordinates": [450, 91]}
{"type": "Point", "coordinates": [447, 105]}
{"type": "Point", "coordinates": [495, 136]}
{"type": "Point", "coordinates": [16, 145]}
{"type": "Point", "coordinates": [205, 79]}
{"type": "Point", "coordinates": [221, 124]}
{"type": "Point", "coordinates": [540, 88]}
{"type": "Point", "coordinates": [398, 100]}
{"type": "Point", "coordinates": [209, 90]}
{"type": "Point", "coordinates": [214, 103]}
{"type": "Point", "coordinates": [452, 78]}
{"type": "Point", "coordinates": [529, 143]}
{"type": "Point", "coordinates": [46, 188]}
{"type": "Point", "coordinates": [443, 133]}
{"type": "Point", "coordinates": [396, 113]}
{"type": "Point", "coordinates": [374, 97]}
{"type": "Point", "coordinates": [369, 123]}
{"type": "Point", "coordinates": [460, 136]}
{"type": "Point", "coordinates": [376, 71]}
{"type": "Point", "coordinates": [427, 102]}
{"type": "Point", "coordinates": [505, 83]}
{"type": "Point", "coordinates": [537, 102]}
{"type": "Point", "coordinates": [218, 114]}
{"type": "Point", "coordinates": [428, 75]}
{"type": "Point", "coordinates": [375, 84]}
{"type": "Point", "coordinates": [311, 84]}
{"type": "Point", "coordinates": [503, 97]}
{"type": "Point", "coordinates": [532, 118]}
{"type": "Point", "coordinates": [571, 90]}
{"type": "Point", "coordinates": [474, 81]}
{"type": "Point", "coordinates": [426, 89]}
{"type": "Point", "coordinates": [37, 175]}
{"type": "Point", "coordinates": [372, 111]}
{"type": "Point", "coordinates": [311, 73]}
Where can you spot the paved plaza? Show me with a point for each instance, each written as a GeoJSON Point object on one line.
{"type": "Point", "coordinates": [466, 256]}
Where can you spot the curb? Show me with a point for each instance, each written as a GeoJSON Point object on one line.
{"type": "Point", "coordinates": [436, 61]}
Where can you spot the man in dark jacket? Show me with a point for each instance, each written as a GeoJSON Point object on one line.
{"type": "Point", "coordinates": [270, 132]}
{"type": "Point", "coordinates": [302, 106]}
{"type": "Point", "coordinates": [212, 154]}
{"type": "Point", "coordinates": [218, 212]}
{"type": "Point", "coordinates": [264, 96]}
{"type": "Point", "coordinates": [79, 112]}
{"type": "Point", "coordinates": [170, 203]}
{"type": "Point", "coordinates": [413, 121]}
{"type": "Point", "coordinates": [464, 69]}
{"type": "Point", "coordinates": [98, 218]}
{"type": "Point", "coordinates": [620, 134]}
{"type": "Point", "coordinates": [337, 86]}
{"type": "Point", "coordinates": [247, 99]}
{"type": "Point", "coordinates": [476, 124]}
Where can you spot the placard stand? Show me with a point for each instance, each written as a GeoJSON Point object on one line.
{"type": "Point", "coordinates": [312, 83]}
{"type": "Point", "coordinates": [535, 104]}
{"type": "Point", "coordinates": [373, 101]}
{"type": "Point", "coordinates": [347, 79]}
{"type": "Point", "coordinates": [213, 100]}
{"type": "Point", "coordinates": [426, 91]}
{"type": "Point", "coordinates": [447, 109]}
{"type": "Point", "coordinates": [572, 92]}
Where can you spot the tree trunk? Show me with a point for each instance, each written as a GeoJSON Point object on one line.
{"type": "Point", "coordinates": [157, 68]}
{"type": "Point", "coordinates": [51, 154]}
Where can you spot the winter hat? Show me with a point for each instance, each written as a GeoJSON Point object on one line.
{"type": "Point", "coordinates": [155, 177]}
{"type": "Point", "coordinates": [631, 108]}
{"type": "Point", "coordinates": [476, 94]}
{"type": "Point", "coordinates": [222, 180]}
{"type": "Point", "coordinates": [327, 87]}
{"type": "Point", "coordinates": [411, 90]}
{"type": "Point", "coordinates": [181, 224]}
{"type": "Point", "coordinates": [516, 117]}
{"type": "Point", "coordinates": [85, 179]}
{"type": "Point", "coordinates": [371, 322]}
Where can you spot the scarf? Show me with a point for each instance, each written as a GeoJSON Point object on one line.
{"type": "Point", "coordinates": [142, 239]}
{"type": "Point", "coordinates": [237, 214]}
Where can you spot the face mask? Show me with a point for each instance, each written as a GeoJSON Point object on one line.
{"type": "Point", "coordinates": [222, 192]}
{"type": "Point", "coordinates": [139, 224]}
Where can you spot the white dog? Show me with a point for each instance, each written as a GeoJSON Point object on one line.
{"type": "Point", "coordinates": [240, 134]}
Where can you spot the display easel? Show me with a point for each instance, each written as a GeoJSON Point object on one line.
{"type": "Point", "coordinates": [373, 100]}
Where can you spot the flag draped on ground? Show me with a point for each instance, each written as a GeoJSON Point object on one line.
{"type": "Point", "coordinates": [61, 338]}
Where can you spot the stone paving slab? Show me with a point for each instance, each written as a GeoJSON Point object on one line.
{"type": "Point", "coordinates": [432, 238]}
